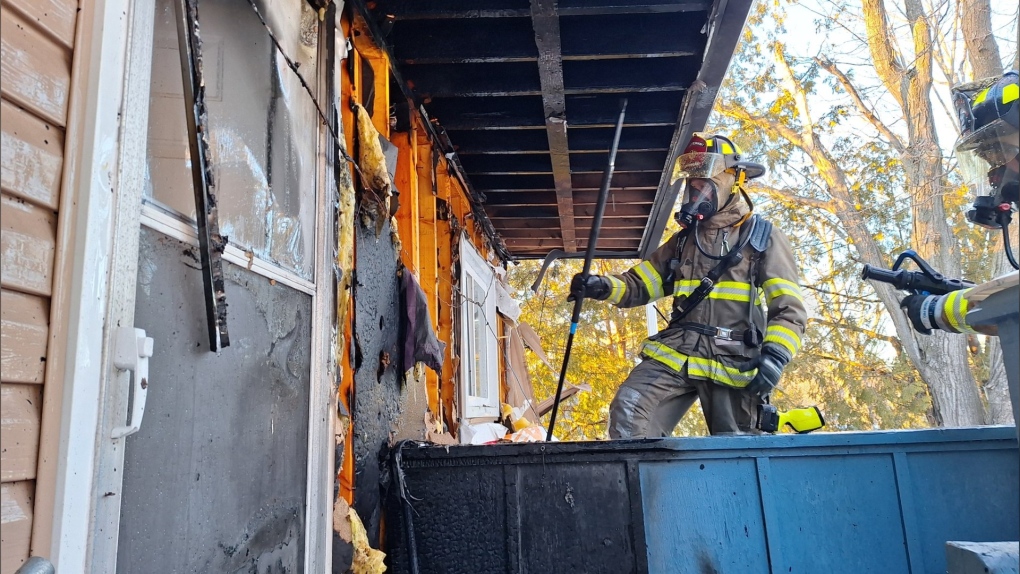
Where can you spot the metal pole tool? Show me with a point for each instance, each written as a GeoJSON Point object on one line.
{"type": "Point", "coordinates": [593, 236]}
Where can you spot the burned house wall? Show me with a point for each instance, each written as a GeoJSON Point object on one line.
{"type": "Point", "coordinates": [379, 393]}
{"type": "Point", "coordinates": [217, 473]}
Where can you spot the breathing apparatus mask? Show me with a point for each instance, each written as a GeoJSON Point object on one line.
{"type": "Point", "coordinates": [989, 151]}
{"type": "Point", "coordinates": [702, 202]}
{"type": "Point", "coordinates": [706, 162]}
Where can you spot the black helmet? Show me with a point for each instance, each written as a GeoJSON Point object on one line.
{"type": "Point", "coordinates": [987, 154]}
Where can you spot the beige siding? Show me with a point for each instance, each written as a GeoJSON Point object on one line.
{"type": "Point", "coordinates": [28, 236]}
{"type": "Point", "coordinates": [36, 46]}
{"type": "Point", "coordinates": [36, 69]}
{"type": "Point", "coordinates": [33, 157]}
{"type": "Point", "coordinates": [16, 501]}
{"type": "Point", "coordinates": [21, 408]}
{"type": "Point", "coordinates": [23, 337]}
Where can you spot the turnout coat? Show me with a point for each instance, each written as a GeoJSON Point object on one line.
{"type": "Point", "coordinates": [759, 292]}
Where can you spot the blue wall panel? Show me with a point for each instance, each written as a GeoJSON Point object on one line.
{"type": "Point", "coordinates": [968, 496]}
{"type": "Point", "coordinates": [703, 516]}
{"type": "Point", "coordinates": [837, 514]}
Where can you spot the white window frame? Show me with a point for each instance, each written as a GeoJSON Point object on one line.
{"type": "Point", "coordinates": [473, 267]}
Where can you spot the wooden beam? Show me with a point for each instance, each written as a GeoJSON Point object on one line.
{"type": "Point", "coordinates": [444, 240]}
{"type": "Point", "coordinates": [428, 266]}
{"type": "Point", "coordinates": [442, 9]}
{"type": "Point", "coordinates": [406, 182]}
{"type": "Point", "coordinates": [497, 213]}
{"type": "Point", "coordinates": [532, 198]}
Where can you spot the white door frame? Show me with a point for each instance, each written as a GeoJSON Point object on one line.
{"type": "Point", "coordinates": [90, 204]}
{"type": "Point", "coordinates": [107, 163]}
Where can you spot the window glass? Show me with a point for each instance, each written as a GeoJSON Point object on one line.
{"type": "Point", "coordinates": [480, 380]}
{"type": "Point", "coordinates": [262, 126]}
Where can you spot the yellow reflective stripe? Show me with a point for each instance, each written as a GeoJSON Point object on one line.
{"type": "Point", "coordinates": [650, 277]}
{"type": "Point", "coordinates": [980, 97]}
{"type": "Point", "coordinates": [955, 310]}
{"type": "Point", "coordinates": [617, 288]}
{"type": "Point", "coordinates": [718, 372]}
{"type": "Point", "coordinates": [725, 290]}
{"type": "Point", "coordinates": [663, 354]}
{"type": "Point", "coordinates": [685, 287]}
{"type": "Point", "coordinates": [776, 287]}
{"type": "Point", "coordinates": [742, 293]}
{"type": "Point", "coordinates": [697, 366]}
{"type": "Point", "coordinates": [1010, 93]}
{"type": "Point", "coordinates": [785, 337]}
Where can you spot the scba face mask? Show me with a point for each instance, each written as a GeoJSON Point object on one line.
{"type": "Point", "coordinates": [702, 202]}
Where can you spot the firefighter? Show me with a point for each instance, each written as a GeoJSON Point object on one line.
{"type": "Point", "coordinates": [989, 113]}
{"type": "Point", "coordinates": [737, 312]}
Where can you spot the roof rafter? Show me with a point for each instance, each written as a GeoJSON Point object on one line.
{"type": "Point", "coordinates": [554, 104]}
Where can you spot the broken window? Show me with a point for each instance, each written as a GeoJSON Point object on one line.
{"type": "Point", "coordinates": [262, 127]}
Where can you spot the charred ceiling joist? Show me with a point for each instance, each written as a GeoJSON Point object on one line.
{"type": "Point", "coordinates": [211, 244]}
{"type": "Point", "coordinates": [528, 92]}
{"type": "Point", "coordinates": [550, 72]}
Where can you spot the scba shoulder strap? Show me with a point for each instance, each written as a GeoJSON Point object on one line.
{"type": "Point", "coordinates": [756, 234]}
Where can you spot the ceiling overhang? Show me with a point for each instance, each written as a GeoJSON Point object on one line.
{"type": "Point", "coordinates": [526, 94]}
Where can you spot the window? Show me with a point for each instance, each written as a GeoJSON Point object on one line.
{"type": "Point", "coordinates": [478, 364]}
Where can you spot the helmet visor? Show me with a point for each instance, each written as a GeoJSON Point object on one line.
{"type": "Point", "coordinates": [698, 165]}
{"type": "Point", "coordinates": [982, 154]}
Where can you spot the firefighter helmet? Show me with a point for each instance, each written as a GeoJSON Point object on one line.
{"type": "Point", "coordinates": [989, 115]}
{"type": "Point", "coordinates": [706, 156]}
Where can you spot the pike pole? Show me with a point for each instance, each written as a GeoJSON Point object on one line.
{"type": "Point", "coordinates": [593, 236]}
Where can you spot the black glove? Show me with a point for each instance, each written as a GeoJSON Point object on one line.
{"type": "Point", "coordinates": [597, 287]}
{"type": "Point", "coordinates": [921, 310]}
{"type": "Point", "coordinates": [770, 368]}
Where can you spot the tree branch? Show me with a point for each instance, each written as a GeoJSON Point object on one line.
{"type": "Point", "coordinates": [843, 295]}
{"type": "Point", "coordinates": [771, 126]}
{"type": "Point", "coordinates": [788, 197]}
{"type": "Point", "coordinates": [867, 112]}
{"type": "Point", "coordinates": [871, 334]}
{"type": "Point", "coordinates": [888, 64]}
{"type": "Point", "coordinates": [796, 91]}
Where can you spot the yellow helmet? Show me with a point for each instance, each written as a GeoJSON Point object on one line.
{"type": "Point", "coordinates": [706, 156]}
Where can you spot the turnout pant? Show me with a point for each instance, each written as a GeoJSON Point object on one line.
{"type": "Point", "coordinates": [654, 398]}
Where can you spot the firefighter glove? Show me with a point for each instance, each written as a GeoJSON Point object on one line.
{"type": "Point", "coordinates": [770, 368]}
{"type": "Point", "coordinates": [921, 310]}
{"type": "Point", "coordinates": [596, 287]}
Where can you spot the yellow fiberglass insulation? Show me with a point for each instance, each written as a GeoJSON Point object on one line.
{"type": "Point", "coordinates": [375, 178]}
{"type": "Point", "coordinates": [367, 560]}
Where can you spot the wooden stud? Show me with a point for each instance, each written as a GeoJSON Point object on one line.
{"type": "Point", "coordinates": [428, 257]}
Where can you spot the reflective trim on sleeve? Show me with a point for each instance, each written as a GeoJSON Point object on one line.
{"type": "Point", "coordinates": [955, 311]}
{"type": "Point", "coordinates": [783, 336]}
{"type": "Point", "coordinates": [777, 287]}
{"type": "Point", "coordinates": [650, 277]}
{"type": "Point", "coordinates": [616, 290]}
{"type": "Point", "coordinates": [697, 366]}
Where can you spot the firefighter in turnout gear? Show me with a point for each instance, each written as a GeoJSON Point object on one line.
{"type": "Point", "coordinates": [989, 114]}
{"type": "Point", "coordinates": [737, 317]}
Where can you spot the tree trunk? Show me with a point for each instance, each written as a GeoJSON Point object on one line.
{"type": "Point", "coordinates": [941, 359]}
{"type": "Point", "coordinates": [982, 51]}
